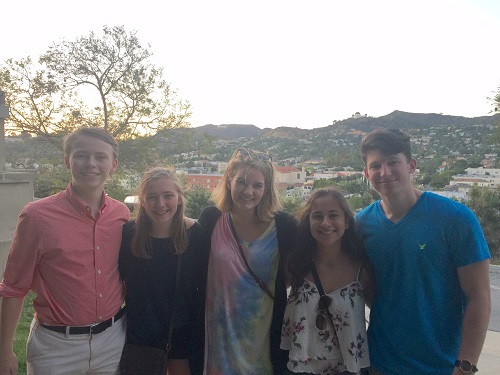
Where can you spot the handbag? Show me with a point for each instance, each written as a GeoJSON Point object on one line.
{"type": "Point", "coordinates": [259, 281]}
{"type": "Point", "coordinates": [147, 360]}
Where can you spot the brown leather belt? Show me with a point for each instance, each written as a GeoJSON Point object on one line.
{"type": "Point", "coordinates": [94, 329]}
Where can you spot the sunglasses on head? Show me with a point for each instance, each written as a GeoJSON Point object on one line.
{"type": "Point", "coordinates": [253, 154]}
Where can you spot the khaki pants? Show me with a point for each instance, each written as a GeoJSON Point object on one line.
{"type": "Point", "coordinates": [53, 353]}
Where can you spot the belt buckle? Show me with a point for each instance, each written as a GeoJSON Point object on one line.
{"type": "Point", "coordinates": [92, 326]}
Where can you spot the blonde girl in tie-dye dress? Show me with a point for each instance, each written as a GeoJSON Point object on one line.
{"type": "Point", "coordinates": [246, 288]}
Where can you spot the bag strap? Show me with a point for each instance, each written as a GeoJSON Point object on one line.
{"type": "Point", "coordinates": [321, 291]}
{"type": "Point", "coordinates": [176, 293]}
{"type": "Point", "coordinates": [259, 281]}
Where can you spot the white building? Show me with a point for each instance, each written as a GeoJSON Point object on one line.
{"type": "Point", "coordinates": [483, 171]}
{"type": "Point", "coordinates": [290, 175]}
{"type": "Point", "coordinates": [483, 177]}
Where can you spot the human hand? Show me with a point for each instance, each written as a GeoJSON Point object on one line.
{"type": "Point", "coordinates": [8, 363]}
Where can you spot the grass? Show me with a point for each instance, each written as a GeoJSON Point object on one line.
{"type": "Point", "coordinates": [22, 331]}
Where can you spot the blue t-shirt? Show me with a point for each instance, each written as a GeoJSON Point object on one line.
{"type": "Point", "coordinates": [416, 316]}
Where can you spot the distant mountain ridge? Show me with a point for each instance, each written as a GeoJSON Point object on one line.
{"type": "Point", "coordinates": [408, 120]}
{"type": "Point", "coordinates": [396, 119]}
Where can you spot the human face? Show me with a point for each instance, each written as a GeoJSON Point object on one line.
{"type": "Point", "coordinates": [91, 162]}
{"type": "Point", "coordinates": [247, 189]}
{"type": "Point", "coordinates": [390, 175]}
{"type": "Point", "coordinates": [160, 201]}
{"type": "Point", "coordinates": [327, 222]}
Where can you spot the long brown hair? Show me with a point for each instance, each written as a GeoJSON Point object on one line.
{"type": "Point", "coordinates": [301, 257]}
{"type": "Point", "coordinates": [141, 243]}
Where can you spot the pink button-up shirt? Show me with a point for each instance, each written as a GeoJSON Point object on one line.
{"type": "Point", "coordinates": [68, 258]}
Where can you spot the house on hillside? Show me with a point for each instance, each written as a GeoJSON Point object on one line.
{"type": "Point", "coordinates": [290, 175]}
{"type": "Point", "coordinates": [206, 182]}
{"type": "Point", "coordinates": [484, 177]}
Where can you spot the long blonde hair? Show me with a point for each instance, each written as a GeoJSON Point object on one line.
{"type": "Point", "coordinates": [244, 158]}
{"type": "Point", "coordinates": [141, 243]}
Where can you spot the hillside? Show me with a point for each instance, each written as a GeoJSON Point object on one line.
{"type": "Point", "coordinates": [407, 120]}
{"type": "Point", "coordinates": [396, 119]}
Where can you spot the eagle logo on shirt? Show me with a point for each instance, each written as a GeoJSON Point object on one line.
{"type": "Point", "coordinates": [422, 246]}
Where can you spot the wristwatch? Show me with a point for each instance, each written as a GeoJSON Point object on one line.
{"type": "Point", "coordinates": [465, 366]}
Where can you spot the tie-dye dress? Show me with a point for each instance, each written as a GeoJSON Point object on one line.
{"type": "Point", "coordinates": [238, 311]}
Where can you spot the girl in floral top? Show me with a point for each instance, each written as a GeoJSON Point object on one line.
{"type": "Point", "coordinates": [327, 336]}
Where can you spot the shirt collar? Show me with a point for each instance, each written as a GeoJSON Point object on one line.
{"type": "Point", "coordinates": [79, 204]}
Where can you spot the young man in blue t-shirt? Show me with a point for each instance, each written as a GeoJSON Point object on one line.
{"type": "Point", "coordinates": [431, 310]}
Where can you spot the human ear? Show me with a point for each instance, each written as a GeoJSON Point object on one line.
{"type": "Point", "coordinates": [66, 161]}
{"type": "Point", "coordinates": [113, 167]}
{"type": "Point", "coordinates": [413, 165]}
{"type": "Point", "coordinates": [365, 172]}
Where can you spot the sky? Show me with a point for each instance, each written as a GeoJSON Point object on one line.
{"type": "Point", "coordinates": [287, 62]}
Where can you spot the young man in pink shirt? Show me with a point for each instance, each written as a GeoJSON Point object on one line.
{"type": "Point", "coordinates": [65, 249]}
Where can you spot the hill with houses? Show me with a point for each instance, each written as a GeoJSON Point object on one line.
{"type": "Point", "coordinates": [395, 119]}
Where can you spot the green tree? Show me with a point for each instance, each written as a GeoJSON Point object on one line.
{"type": "Point", "coordinates": [207, 144]}
{"type": "Point", "coordinates": [290, 203]}
{"type": "Point", "coordinates": [485, 203]}
{"type": "Point", "coordinates": [51, 179]}
{"type": "Point", "coordinates": [133, 98]}
{"type": "Point", "coordinates": [495, 101]}
{"type": "Point", "coordinates": [356, 202]}
{"type": "Point", "coordinates": [323, 183]}
{"type": "Point", "coordinates": [440, 180]}
{"type": "Point", "coordinates": [139, 154]}
{"type": "Point", "coordinates": [112, 72]}
{"type": "Point", "coordinates": [35, 102]}
{"type": "Point", "coordinates": [115, 189]}
{"type": "Point", "coordinates": [474, 161]}
{"type": "Point", "coordinates": [196, 201]}
{"type": "Point", "coordinates": [458, 166]}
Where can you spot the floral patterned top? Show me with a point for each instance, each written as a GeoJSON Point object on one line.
{"type": "Point", "coordinates": [321, 351]}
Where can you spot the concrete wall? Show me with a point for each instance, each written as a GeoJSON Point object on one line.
{"type": "Point", "coordinates": [16, 189]}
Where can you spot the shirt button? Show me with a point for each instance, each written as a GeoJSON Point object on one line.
{"type": "Point", "coordinates": [100, 317]}
{"type": "Point", "coordinates": [100, 295]}
{"type": "Point", "coordinates": [99, 272]}
{"type": "Point", "coordinates": [97, 248]}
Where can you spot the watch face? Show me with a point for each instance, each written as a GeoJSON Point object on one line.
{"type": "Point", "coordinates": [465, 366]}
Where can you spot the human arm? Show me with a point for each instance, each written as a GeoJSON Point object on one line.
{"type": "Point", "coordinates": [475, 283]}
{"type": "Point", "coordinates": [287, 227]}
{"type": "Point", "coordinates": [367, 280]}
{"type": "Point", "coordinates": [10, 311]}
